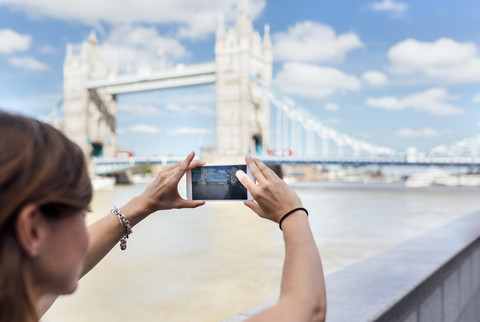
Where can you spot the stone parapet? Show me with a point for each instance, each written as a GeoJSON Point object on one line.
{"type": "Point", "coordinates": [434, 277]}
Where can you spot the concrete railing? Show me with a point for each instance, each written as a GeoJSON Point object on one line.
{"type": "Point", "coordinates": [434, 277]}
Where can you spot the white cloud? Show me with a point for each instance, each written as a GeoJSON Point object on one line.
{"type": "Point", "coordinates": [203, 110]}
{"type": "Point", "coordinates": [443, 60]}
{"type": "Point", "coordinates": [191, 110]}
{"type": "Point", "coordinates": [189, 130]}
{"type": "Point", "coordinates": [174, 108]}
{"type": "Point", "coordinates": [144, 128]}
{"type": "Point", "coordinates": [314, 81]}
{"type": "Point", "coordinates": [476, 98]}
{"type": "Point", "coordinates": [11, 41]}
{"type": "Point", "coordinates": [309, 41]}
{"type": "Point", "coordinates": [140, 110]}
{"type": "Point", "coordinates": [47, 50]}
{"type": "Point", "coordinates": [375, 78]}
{"type": "Point", "coordinates": [331, 107]}
{"type": "Point", "coordinates": [431, 101]}
{"type": "Point", "coordinates": [397, 8]}
{"type": "Point", "coordinates": [127, 44]}
{"type": "Point", "coordinates": [27, 63]}
{"type": "Point", "coordinates": [427, 132]}
{"type": "Point", "coordinates": [193, 18]}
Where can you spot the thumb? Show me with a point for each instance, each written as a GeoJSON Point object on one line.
{"type": "Point", "coordinates": [191, 203]}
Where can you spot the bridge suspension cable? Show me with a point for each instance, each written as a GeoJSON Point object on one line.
{"type": "Point", "coordinates": [468, 147]}
{"type": "Point", "coordinates": [289, 110]}
{"type": "Point", "coordinates": [56, 114]}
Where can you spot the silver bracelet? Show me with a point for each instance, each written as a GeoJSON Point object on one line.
{"type": "Point", "coordinates": [125, 223]}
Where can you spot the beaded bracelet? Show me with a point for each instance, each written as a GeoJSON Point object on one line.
{"type": "Point", "coordinates": [125, 223]}
{"type": "Point", "coordinates": [289, 213]}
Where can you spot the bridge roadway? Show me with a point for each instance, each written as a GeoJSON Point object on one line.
{"type": "Point", "coordinates": [114, 165]}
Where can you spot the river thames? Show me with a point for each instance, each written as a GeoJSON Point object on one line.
{"type": "Point", "coordinates": [212, 262]}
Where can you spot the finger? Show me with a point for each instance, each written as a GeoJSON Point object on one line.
{"type": "Point", "coordinates": [179, 163]}
{"type": "Point", "coordinates": [170, 168]}
{"type": "Point", "coordinates": [254, 206]}
{"type": "Point", "coordinates": [193, 164]}
{"type": "Point", "coordinates": [266, 171]}
{"type": "Point", "coordinates": [188, 159]}
{"type": "Point", "coordinates": [183, 165]}
{"type": "Point", "coordinates": [196, 163]}
{"type": "Point", "coordinates": [257, 174]}
{"type": "Point", "coordinates": [246, 181]}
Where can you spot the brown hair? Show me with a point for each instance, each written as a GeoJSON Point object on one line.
{"type": "Point", "coordinates": [38, 165]}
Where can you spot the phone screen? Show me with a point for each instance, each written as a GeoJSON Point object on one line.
{"type": "Point", "coordinates": [218, 183]}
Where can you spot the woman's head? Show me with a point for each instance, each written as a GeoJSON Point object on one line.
{"type": "Point", "coordinates": [44, 192]}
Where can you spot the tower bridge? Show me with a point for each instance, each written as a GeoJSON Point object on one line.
{"type": "Point", "coordinates": [243, 113]}
{"type": "Point", "coordinates": [241, 72]}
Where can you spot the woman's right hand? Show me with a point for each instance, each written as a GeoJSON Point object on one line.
{"type": "Point", "coordinates": [273, 198]}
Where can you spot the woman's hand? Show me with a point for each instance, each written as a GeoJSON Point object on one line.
{"type": "Point", "coordinates": [273, 197]}
{"type": "Point", "coordinates": [162, 193]}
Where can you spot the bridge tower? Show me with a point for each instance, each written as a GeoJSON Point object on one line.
{"type": "Point", "coordinates": [89, 113]}
{"type": "Point", "coordinates": [243, 111]}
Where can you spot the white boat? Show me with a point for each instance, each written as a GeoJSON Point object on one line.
{"type": "Point", "coordinates": [438, 177]}
{"type": "Point", "coordinates": [99, 182]}
{"type": "Point", "coordinates": [428, 178]}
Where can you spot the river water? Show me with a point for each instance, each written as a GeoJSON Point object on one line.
{"type": "Point", "coordinates": [215, 261]}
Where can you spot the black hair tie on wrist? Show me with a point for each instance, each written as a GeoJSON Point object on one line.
{"type": "Point", "coordinates": [289, 213]}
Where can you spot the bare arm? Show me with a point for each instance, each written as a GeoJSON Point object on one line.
{"type": "Point", "coordinates": [161, 194]}
{"type": "Point", "coordinates": [302, 293]}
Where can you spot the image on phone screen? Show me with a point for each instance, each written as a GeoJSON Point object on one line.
{"type": "Point", "coordinates": [217, 183]}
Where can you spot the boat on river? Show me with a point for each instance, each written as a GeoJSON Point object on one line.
{"type": "Point", "coordinates": [435, 176]}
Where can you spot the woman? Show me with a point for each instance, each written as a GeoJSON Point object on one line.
{"type": "Point", "coordinates": [45, 246]}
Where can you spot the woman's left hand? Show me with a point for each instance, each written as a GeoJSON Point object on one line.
{"type": "Point", "coordinates": [162, 193]}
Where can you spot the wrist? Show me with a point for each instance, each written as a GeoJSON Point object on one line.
{"type": "Point", "coordinates": [295, 221]}
{"type": "Point", "coordinates": [135, 210]}
{"type": "Point", "coordinates": [291, 212]}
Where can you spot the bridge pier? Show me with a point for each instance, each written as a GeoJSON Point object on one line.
{"type": "Point", "coordinates": [124, 177]}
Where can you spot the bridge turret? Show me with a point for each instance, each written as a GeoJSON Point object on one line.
{"type": "Point", "coordinates": [89, 114]}
{"type": "Point", "coordinates": [243, 112]}
{"type": "Point", "coordinates": [267, 54]}
{"type": "Point", "coordinates": [244, 24]}
{"type": "Point", "coordinates": [220, 28]}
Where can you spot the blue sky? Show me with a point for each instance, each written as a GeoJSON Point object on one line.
{"type": "Point", "coordinates": [395, 73]}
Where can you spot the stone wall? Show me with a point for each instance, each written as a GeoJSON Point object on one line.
{"type": "Point", "coordinates": [434, 277]}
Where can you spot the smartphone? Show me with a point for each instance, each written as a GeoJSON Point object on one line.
{"type": "Point", "coordinates": [217, 183]}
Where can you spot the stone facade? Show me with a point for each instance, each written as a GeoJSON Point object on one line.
{"type": "Point", "coordinates": [243, 112]}
{"type": "Point", "coordinates": [89, 114]}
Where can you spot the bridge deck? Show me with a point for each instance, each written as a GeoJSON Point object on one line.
{"type": "Point", "coordinates": [112, 165]}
